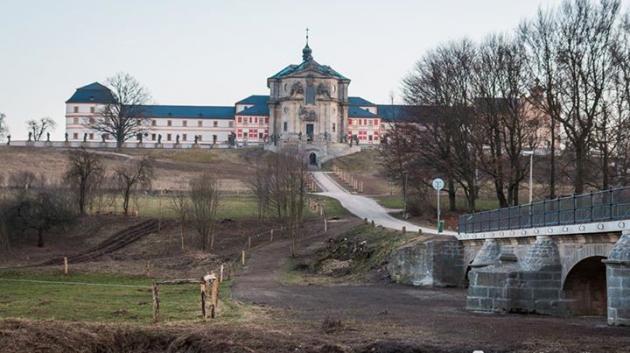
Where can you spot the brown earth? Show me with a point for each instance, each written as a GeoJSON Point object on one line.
{"type": "Point", "coordinates": [294, 317]}
{"type": "Point", "coordinates": [173, 168]}
{"type": "Point", "coordinates": [429, 317]}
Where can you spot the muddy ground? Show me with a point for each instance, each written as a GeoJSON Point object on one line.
{"type": "Point", "coordinates": [295, 316]}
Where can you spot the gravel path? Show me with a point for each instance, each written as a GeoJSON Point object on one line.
{"type": "Point", "coordinates": [365, 207]}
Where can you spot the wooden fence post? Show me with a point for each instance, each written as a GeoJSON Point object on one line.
{"type": "Point", "coordinates": [203, 291]}
{"type": "Point", "coordinates": [404, 229]}
{"type": "Point", "coordinates": [221, 273]}
{"type": "Point", "coordinates": [214, 298]}
{"type": "Point", "coordinates": [65, 265]}
{"type": "Point", "coordinates": [325, 225]}
{"type": "Point", "coordinates": [243, 257]}
{"type": "Point", "coordinates": [271, 235]}
{"type": "Point", "coordinates": [249, 242]}
{"type": "Point", "coordinates": [155, 290]}
{"type": "Point", "coordinates": [147, 269]}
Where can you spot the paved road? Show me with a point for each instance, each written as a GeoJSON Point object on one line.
{"type": "Point", "coordinates": [365, 207]}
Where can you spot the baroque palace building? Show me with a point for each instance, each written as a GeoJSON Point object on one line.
{"type": "Point", "coordinates": [308, 106]}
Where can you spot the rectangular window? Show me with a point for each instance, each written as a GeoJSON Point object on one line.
{"type": "Point", "coordinates": [266, 120]}
{"type": "Point", "coordinates": [215, 123]}
{"type": "Point", "coordinates": [285, 126]}
{"type": "Point", "coordinates": [239, 120]}
{"type": "Point", "coordinates": [76, 109]}
{"type": "Point", "coordinates": [92, 110]}
{"type": "Point", "coordinates": [334, 127]}
{"type": "Point", "coordinates": [364, 121]}
{"type": "Point", "coordinates": [75, 120]}
{"type": "Point", "coordinates": [169, 123]}
{"type": "Point", "coordinates": [183, 137]}
{"type": "Point", "coordinates": [91, 120]}
{"type": "Point", "coordinates": [214, 138]}
{"type": "Point", "coordinates": [153, 137]}
{"type": "Point", "coordinates": [370, 122]}
{"type": "Point", "coordinates": [184, 123]}
{"type": "Point", "coordinates": [91, 136]}
{"type": "Point", "coordinates": [199, 123]}
{"type": "Point", "coordinates": [75, 136]}
{"type": "Point", "coordinates": [153, 123]}
{"type": "Point", "coordinates": [198, 137]}
{"type": "Point", "coordinates": [256, 120]}
{"type": "Point", "coordinates": [168, 136]}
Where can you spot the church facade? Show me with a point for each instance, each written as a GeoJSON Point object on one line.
{"type": "Point", "coordinates": [308, 104]}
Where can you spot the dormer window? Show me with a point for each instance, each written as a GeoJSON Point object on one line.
{"type": "Point", "coordinates": [76, 109]}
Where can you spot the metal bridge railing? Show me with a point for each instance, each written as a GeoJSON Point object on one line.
{"type": "Point", "coordinates": [609, 205]}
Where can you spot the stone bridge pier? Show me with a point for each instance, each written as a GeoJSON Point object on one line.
{"type": "Point", "coordinates": [554, 275]}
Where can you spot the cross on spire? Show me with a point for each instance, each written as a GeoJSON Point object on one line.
{"type": "Point", "coordinates": [307, 35]}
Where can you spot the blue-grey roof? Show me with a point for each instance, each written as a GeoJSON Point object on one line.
{"type": "Point", "coordinates": [325, 70]}
{"type": "Point", "coordinates": [356, 112]}
{"type": "Point", "coordinates": [261, 109]}
{"type": "Point", "coordinates": [360, 102]}
{"type": "Point", "coordinates": [188, 111]}
{"type": "Point", "coordinates": [92, 93]}
{"type": "Point", "coordinates": [309, 63]}
{"type": "Point", "coordinates": [255, 100]}
{"type": "Point", "coordinates": [397, 112]}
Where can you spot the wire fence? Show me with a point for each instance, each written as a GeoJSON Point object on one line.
{"type": "Point", "coordinates": [601, 206]}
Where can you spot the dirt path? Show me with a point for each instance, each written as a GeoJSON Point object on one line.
{"type": "Point", "coordinates": [427, 315]}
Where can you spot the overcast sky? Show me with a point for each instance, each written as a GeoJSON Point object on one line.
{"type": "Point", "coordinates": [217, 52]}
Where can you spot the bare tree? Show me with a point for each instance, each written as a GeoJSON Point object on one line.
{"type": "Point", "coordinates": [442, 79]}
{"type": "Point", "coordinates": [280, 188]}
{"type": "Point", "coordinates": [131, 176]}
{"type": "Point", "coordinates": [84, 175]}
{"type": "Point", "coordinates": [506, 123]}
{"type": "Point", "coordinates": [124, 117]}
{"type": "Point", "coordinates": [38, 128]}
{"type": "Point", "coordinates": [180, 203]}
{"type": "Point", "coordinates": [205, 197]}
{"type": "Point", "coordinates": [4, 128]}
{"type": "Point", "coordinates": [260, 185]}
{"type": "Point", "coordinates": [570, 53]}
{"type": "Point", "coordinates": [39, 211]}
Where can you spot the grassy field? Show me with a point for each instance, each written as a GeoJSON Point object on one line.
{"type": "Point", "coordinates": [101, 297]}
{"type": "Point", "coordinates": [235, 207]}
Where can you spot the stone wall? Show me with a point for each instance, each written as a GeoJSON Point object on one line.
{"type": "Point", "coordinates": [431, 263]}
{"type": "Point", "coordinates": [498, 282]}
{"type": "Point", "coordinates": [618, 282]}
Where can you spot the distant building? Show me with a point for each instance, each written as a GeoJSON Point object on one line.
{"type": "Point", "coordinates": [307, 103]}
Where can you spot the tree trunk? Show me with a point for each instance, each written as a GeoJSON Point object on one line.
{"type": "Point", "coordinates": [605, 172]}
{"type": "Point", "coordinates": [40, 238]}
{"type": "Point", "coordinates": [578, 183]}
{"type": "Point", "coordinates": [126, 202]}
{"type": "Point", "coordinates": [552, 161]}
{"type": "Point", "coordinates": [452, 201]}
{"type": "Point", "coordinates": [498, 185]}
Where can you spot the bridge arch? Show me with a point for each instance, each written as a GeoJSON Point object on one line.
{"type": "Point", "coordinates": [584, 287]}
{"type": "Point", "coordinates": [572, 255]}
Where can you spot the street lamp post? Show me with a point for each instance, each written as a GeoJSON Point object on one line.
{"type": "Point", "coordinates": [530, 153]}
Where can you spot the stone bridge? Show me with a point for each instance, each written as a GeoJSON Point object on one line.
{"type": "Point", "coordinates": [569, 256]}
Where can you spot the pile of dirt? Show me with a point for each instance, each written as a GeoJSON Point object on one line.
{"type": "Point", "coordinates": [54, 336]}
